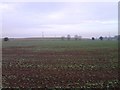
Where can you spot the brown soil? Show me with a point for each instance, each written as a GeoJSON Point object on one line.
{"type": "Point", "coordinates": [25, 68]}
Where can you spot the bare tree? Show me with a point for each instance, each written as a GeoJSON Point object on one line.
{"type": "Point", "coordinates": [63, 38]}
{"type": "Point", "coordinates": [80, 37]}
{"type": "Point", "coordinates": [68, 37]}
{"type": "Point", "coordinates": [76, 37]}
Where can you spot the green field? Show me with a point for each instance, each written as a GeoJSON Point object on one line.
{"type": "Point", "coordinates": [62, 44]}
{"type": "Point", "coordinates": [60, 63]}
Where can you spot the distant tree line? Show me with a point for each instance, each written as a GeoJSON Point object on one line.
{"type": "Point", "coordinates": [100, 38]}
{"type": "Point", "coordinates": [76, 37]}
{"type": "Point", "coordinates": [117, 37]}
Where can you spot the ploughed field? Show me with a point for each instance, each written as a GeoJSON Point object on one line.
{"type": "Point", "coordinates": [57, 63]}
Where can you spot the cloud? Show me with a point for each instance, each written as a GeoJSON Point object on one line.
{"type": "Point", "coordinates": [56, 16]}
{"type": "Point", "coordinates": [3, 6]}
{"type": "Point", "coordinates": [101, 21]}
{"type": "Point", "coordinates": [60, 0]}
{"type": "Point", "coordinates": [59, 18]}
{"type": "Point", "coordinates": [8, 7]}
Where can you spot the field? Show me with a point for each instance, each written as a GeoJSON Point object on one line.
{"type": "Point", "coordinates": [60, 64]}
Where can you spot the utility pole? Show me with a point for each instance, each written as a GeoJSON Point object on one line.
{"type": "Point", "coordinates": [42, 34]}
{"type": "Point", "coordinates": [109, 36]}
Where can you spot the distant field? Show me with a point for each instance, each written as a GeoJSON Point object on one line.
{"type": "Point", "coordinates": [60, 63]}
{"type": "Point", "coordinates": [60, 44]}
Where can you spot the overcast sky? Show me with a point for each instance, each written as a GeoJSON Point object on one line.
{"type": "Point", "coordinates": [87, 19]}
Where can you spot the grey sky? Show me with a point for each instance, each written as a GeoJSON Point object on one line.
{"type": "Point", "coordinates": [30, 19]}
